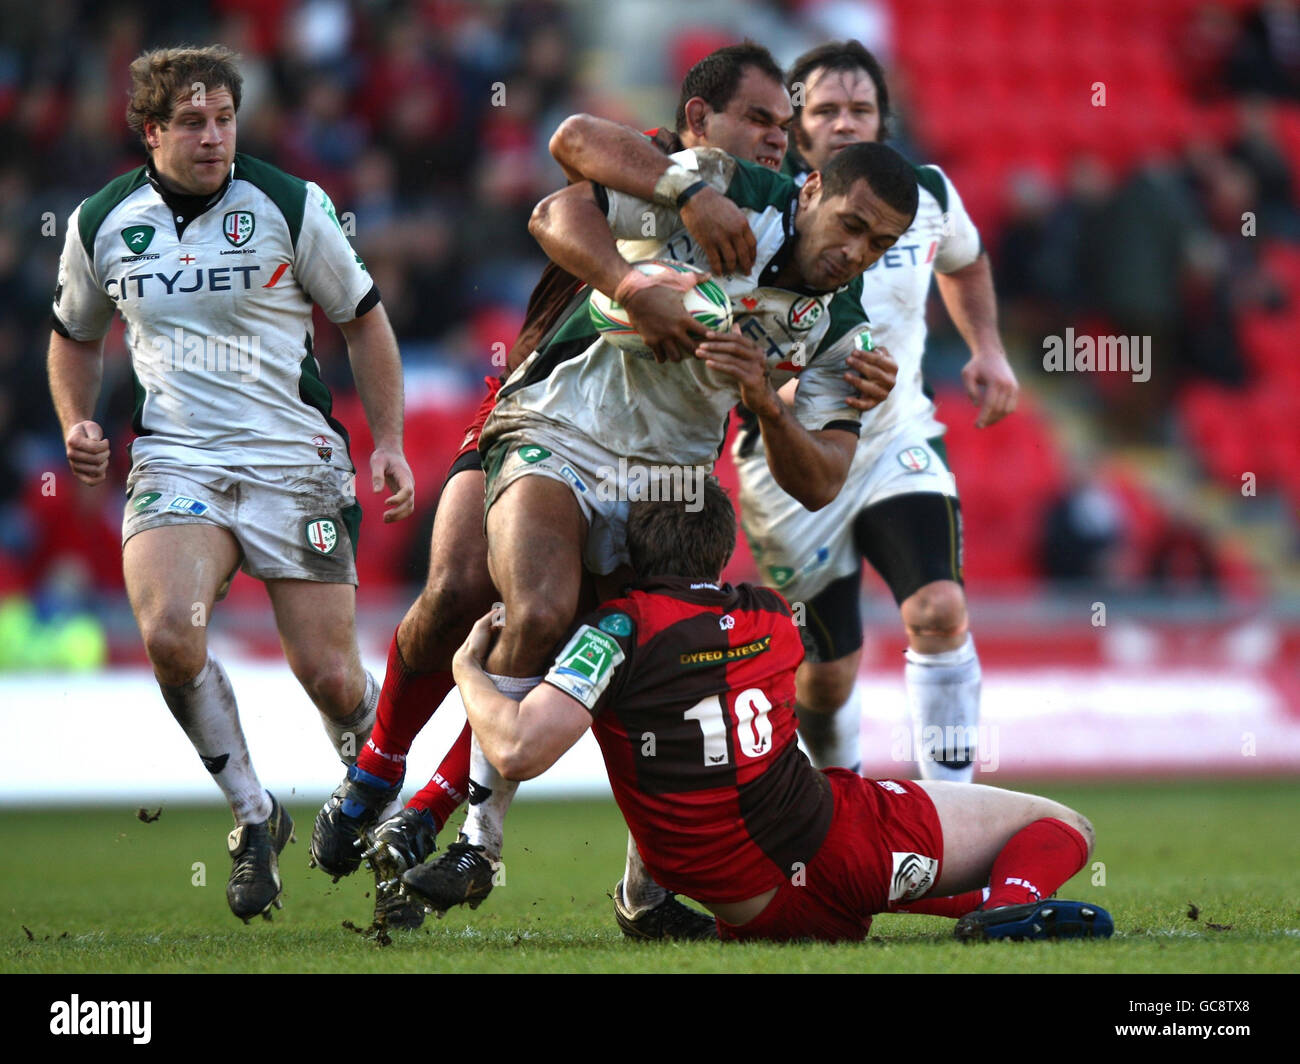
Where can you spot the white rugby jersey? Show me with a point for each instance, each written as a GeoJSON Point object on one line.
{"type": "Point", "coordinates": [676, 412]}
{"type": "Point", "coordinates": [895, 289]}
{"type": "Point", "coordinates": [218, 313]}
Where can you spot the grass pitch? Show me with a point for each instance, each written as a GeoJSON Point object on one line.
{"type": "Point", "coordinates": [99, 891]}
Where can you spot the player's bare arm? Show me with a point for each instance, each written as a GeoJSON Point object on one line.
{"type": "Point", "coordinates": [377, 368]}
{"type": "Point", "coordinates": [572, 230]}
{"type": "Point", "coordinates": [522, 739]}
{"type": "Point", "coordinates": [810, 466]}
{"type": "Point", "coordinates": [75, 369]}
{"type": "Point", "coordinates": [614, 155]}
{"type": "Point", "coordinates": [988, 377]}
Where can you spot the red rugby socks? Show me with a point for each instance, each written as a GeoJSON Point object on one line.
{"type": "Point", "coordinates": [441, 796]}
{"type": "Point", "coordinates": [406, 702]}
{"type": "Point", "coordinates": [1035, 862]}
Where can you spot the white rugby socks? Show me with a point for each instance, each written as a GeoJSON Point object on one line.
{"type": "Point", "coordinates": [834, 739]}
{"type": "Point", "coordinates": [349, 735]}
{"type": "Point", "coordinates": [206, 711]}
{"type": "Point", "coordinates": [943, 694]}
{"type": "Point", "coordinates": [490, 793]}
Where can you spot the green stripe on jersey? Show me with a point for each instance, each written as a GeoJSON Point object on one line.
{"type": "Point", "coordinates": [756, 188]}
{"type": "Point", "coordinates": [930, 180]}
{"type": "Point", "coordinates": [97, 207]}
{"type": "Point", "coordinates": [846, 313]}
{"type": "Point", "coordinates": [315, 393]}
{"type": "Point", "coordinates": [285, 191]}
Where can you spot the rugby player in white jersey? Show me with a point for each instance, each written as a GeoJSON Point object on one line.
{"type": "Point", "coordinates": [899, 506]}
{"type": "Point", "coordinates": [214, 260]}
{"type": "Point", "coordinates": [580, 418]}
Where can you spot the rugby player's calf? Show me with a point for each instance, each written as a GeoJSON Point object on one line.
{"type": "Point", "coordinates": [942, 677]}
{"type": "Point", "coordinates": [457, 592]}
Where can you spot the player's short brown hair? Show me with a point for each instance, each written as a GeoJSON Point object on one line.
{"type": "Point", "coordinates": [683, 537]}
{"type": "Point", "coordinates": [161, 77]}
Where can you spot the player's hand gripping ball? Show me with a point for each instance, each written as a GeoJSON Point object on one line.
{"type": "Point", "coordinates": [706, 302]}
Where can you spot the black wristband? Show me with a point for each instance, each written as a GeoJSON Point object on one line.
{"type": "Point", "coordinates": [690, 191]}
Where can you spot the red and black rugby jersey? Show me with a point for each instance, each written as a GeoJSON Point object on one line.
{"type": "Point", "coordinates": [692, 690]}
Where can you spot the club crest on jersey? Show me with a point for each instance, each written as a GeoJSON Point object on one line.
{"type": "Point", "coordinates": [805, 313]}
{"type": "Point", "coordinates": [914, 874]}
{"type": "Point", "coordinates": [914, 459]}
{"type": "Point", "coordinates": [237, 227]}
{"type": "Point", "coordinates": [322, 535]}
{"type": "Point", "coordinates": [323, 449]}
{"type": "Point", "coordinates": [137, 238]}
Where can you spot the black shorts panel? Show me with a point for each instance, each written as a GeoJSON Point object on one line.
{"type": "Point", "coordinates": [912, 540]}
{"type": "Point", "coordinates": [832, 622]}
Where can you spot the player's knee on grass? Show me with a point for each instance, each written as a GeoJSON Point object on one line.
{"type": "Point", "coordinates": [825, 686]}
{"type": "Point", "coordinates": [936, 616]}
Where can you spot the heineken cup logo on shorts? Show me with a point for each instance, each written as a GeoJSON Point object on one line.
{"type": "Point", "coordinates": [322, 535]}
{"type": "Point", "coordinates": [238, 227]}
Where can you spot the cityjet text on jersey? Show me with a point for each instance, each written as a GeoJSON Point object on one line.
{"type": "Point", "coordinates": [188, 352]}
{"type": "Point", "coordinates": [181, 282]}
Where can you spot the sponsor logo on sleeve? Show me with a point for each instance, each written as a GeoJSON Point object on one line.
{"type": "Point", "coordinates": [532, 453]}
{"type": "Point", "coordinates": [142, 502]}
{"type": "Point", "coordinates": [616, 624]}
{"type": "Point", "coordinates": [585, 665]}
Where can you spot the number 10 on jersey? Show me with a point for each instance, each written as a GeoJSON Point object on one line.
{"type": "Point", "coordinates": [753, 729]}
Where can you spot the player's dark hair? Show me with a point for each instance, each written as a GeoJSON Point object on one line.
{"type": "Point", "coordinates": [715, 78]}
{"type": "Point", "coordinates": [890, 176]}
{"type": "Point", "coordinates": [843, 57]}
{"type": "Point", "coordinates": [161, 77]}
{"type": "Point", "coordinates": [685, 537]}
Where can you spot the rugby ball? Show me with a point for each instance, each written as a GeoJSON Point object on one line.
{"type": "Point", "coordinates": [707, 302]}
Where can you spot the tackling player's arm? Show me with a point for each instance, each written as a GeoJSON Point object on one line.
{"type": "Point", "coordinates": [811, 466]}
{"type": "Point", "coordinates": [988, 377]}
{"type": "Point", "coordinates": [377, 369]}
{"type": "Point", "coordinates": [572, 229]}
{"type": "Point", "coordinates": [596, 149]}
{"type": "Point", "coordinates": [76, 368]}
{"type": "Point", "coordinates": [521, 739]}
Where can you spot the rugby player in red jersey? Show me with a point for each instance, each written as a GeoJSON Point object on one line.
{"type": "Point", "coordinates": [689, 686]}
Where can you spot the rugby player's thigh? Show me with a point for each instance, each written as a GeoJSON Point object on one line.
{"type": "Point", "coordinates": [174, 571]}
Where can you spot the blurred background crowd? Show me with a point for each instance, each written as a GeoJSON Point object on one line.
{"type": "Point", "coordinates": [1132, 168]}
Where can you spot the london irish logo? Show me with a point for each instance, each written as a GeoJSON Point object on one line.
{"type": "Point", "coordinates": [237, 226]}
